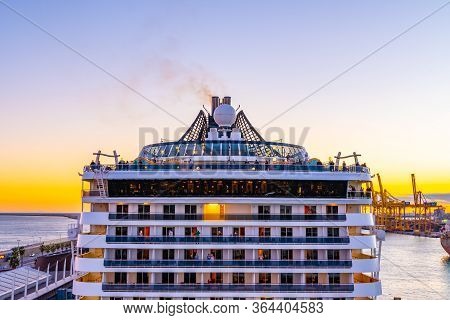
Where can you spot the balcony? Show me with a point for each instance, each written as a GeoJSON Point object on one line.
{"type": "Point", "coordinates": [92, 254]}
{"type": "Point", "coordinates": [231, 240]}
{"type": "Point", "coordinates": [228, 263]}
{"type": "Point", "coordinates": [362, 278]}
{"type": "Point", "coordinates": [93, 241]}
{"type": "Point", "coordinates": [91, 277]}
{"type": "Point", "coordinates": [227, 217]}
{"type": "Point", "coordinates": [366, 286]}
{"type": "Point", "coordinates": [322, 288]}
{"type": "Point", "coordinates": [362, 256]}
{"type": "Point", "coordinates": [137, 219]}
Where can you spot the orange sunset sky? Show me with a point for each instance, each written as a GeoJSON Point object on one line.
{"type": "Point", "coordinates": [60, 103]}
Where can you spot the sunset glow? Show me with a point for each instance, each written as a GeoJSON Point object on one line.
{"type": "Point", "coordinates": [57, 108]}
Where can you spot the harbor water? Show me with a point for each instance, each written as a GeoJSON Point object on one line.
{"type": "Point", "coordinates": [31, 229]}
{"type": "Point", "coordinates": [411, 267]}
{"type": "Point", "coordinates": [414, 268]}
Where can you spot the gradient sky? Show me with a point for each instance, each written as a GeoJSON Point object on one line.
{"type": "Point", "coordinates": [56, 108]}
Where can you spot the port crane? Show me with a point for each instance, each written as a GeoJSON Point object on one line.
{"type": "Point", "coordinates": [389, 211]}
{"type": "Point", "coordinates": [423, 210]}
{"type": "Point", "coordinates": [393, 214]}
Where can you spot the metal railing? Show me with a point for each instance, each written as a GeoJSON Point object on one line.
{"type": "Point", "coordinates": [230, 239]}
{"type": "Point", "coordinates": [359, 194]}
{"type": "Point", "coordinates": [350, 195]}
{"type": "Point", "coordinates": [229, 263]}
{"type": "Point", "coordinates": [230, 287]}
{"type": "Point", "coordinates": [232, 166]}
{"type": "Point", "coordinates": [227, 217]}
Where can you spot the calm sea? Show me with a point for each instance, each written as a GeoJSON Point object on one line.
{"type": "Point", "coordinates": [412, 267]}
{"type": "Point", "coordinates": [31, 229]}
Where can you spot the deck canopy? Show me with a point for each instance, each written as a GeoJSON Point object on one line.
{"type": "Point", "coordinates": [196, 142]}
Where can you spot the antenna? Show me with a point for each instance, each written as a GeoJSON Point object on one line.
{"type": "Point", "coordinates": [206, 110]}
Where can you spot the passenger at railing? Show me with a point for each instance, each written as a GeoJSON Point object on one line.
{"type": "Point", "coordinates": [257, 165]}
{"type": "Point", "coordinates": [351, 191]}
{"type": "Point", "coordinates": [344, 166]}
{"type": "Point", "coordinates": [364, 167]}
{"type": "Point", "coordinates": [197, 236]}
{"type": "Point", "coordinates": [120, 165]}
{"type": "Point", "coordinates": [368, 192]}
{"type": "Point", "coordinates": [140, 165]}
{"type": "Point", "coordinates": [357, 167]}
{"type": "Point", "coordinates": [319, 165]}
{"type": "Point", "coordinates": [330, 164]}
{"type": "Point", "coordinates": [267, 163]}
{"type": "Point", "coordinates": [361, 192]}
{"type": "Point", "coordinates": [93, 165]}
{"type": "Point", "coordinates": [210, 258]}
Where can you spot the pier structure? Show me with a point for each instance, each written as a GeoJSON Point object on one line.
{"type": "Point", "coordinates": [27, 283]}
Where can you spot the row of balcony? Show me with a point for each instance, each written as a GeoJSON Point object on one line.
{"type": "Point", "coordinates": [227, 217]}
{"type": "Point", "coordinates": [229, 287]}
{"type": "Point", "coordinates": [231, 239]}
{"type": "Point", "coordinates": [229, 263]}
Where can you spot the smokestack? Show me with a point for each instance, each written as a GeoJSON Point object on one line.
{"type": "Point", "coordinates": [214, 104]}
{"type": "Point", "coordinates": [226, 100]}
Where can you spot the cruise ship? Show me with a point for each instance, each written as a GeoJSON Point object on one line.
{"type": "Point", "coordinates": [223, 214]}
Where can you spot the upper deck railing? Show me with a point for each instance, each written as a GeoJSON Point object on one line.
{"type": "Point", "coordinates": [356, 195]}
{"type": "Point", "coordinates": [225, 165]}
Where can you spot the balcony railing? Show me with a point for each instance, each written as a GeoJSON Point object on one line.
{"type": "Point", "coordinates": [204, 165]}
{"type": "Point", "coordinates": [230, 287]}
{"type": "Point", "coordinates": [350, 194]}
{"type": "Point", "coordinates": [232, 239]}
{"type": "Point", "coordinates": [229, 263]}
{"type": "Point", "coordinates": [228, 217]}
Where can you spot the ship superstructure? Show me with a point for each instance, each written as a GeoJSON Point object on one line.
{"type": "Point", "coordinates": [224, 214]}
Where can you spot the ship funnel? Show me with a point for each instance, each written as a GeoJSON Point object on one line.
{"type": "Point", "coordinates": [214, 104]}
{"type": "Point", "coordinates": [226, 100]}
